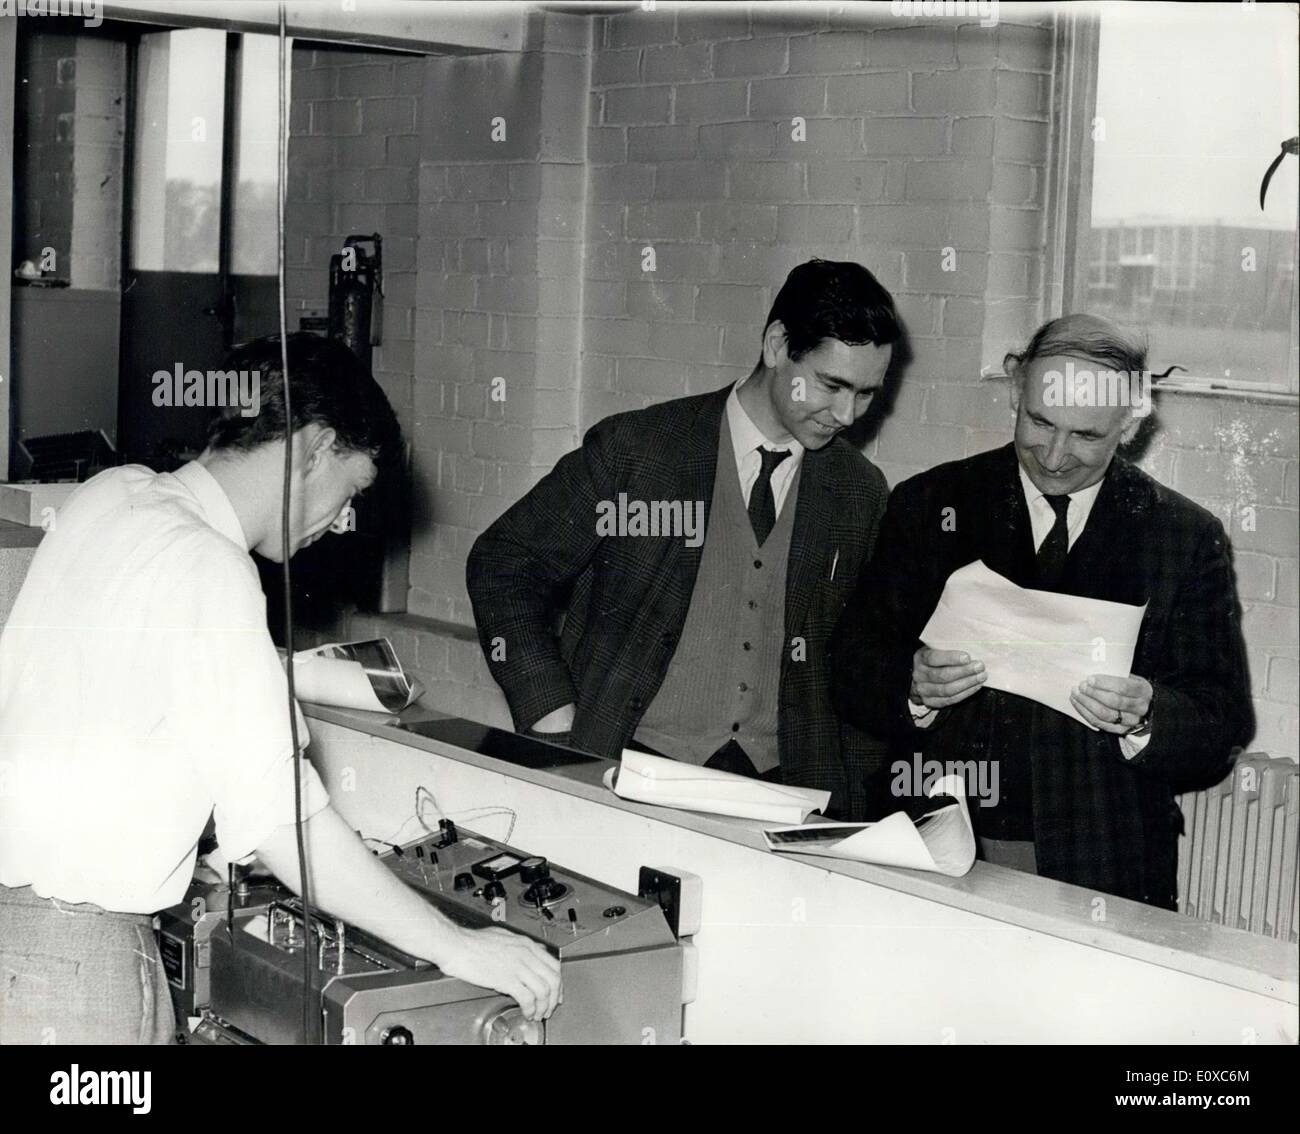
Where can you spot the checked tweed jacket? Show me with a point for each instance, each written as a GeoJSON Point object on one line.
{"type": "Point", "coordinates": [626, 599]}
{"type": "Point", "coordinates": [1100, 820]}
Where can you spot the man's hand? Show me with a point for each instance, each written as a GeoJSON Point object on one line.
{"type": "Point", "coordinates": [353, 884]}
{"type": "Point", "coordinates": [1113, 704]}
{"type": "Point", "coordinates": [508, 962]}
{"type": "Point", "coordinates": [944, 677]}
{"type": "Point", "coordinates": [561, 720]}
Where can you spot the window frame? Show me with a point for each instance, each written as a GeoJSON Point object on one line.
{"type": "Point", "coordinates": [1070, 172]}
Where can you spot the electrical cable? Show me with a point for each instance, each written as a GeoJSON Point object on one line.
{"type": "Point", "coordinates": [423, 795]}
{"type": "Point", "coordinates": [286, 547]}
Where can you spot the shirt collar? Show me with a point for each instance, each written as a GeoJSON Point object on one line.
{"type": "Point", "coordinates": [1081, 502]}
{"type": "Point", "coordinates": [213, 502]}
{"type": "Point", "coordinates": [746, 436]}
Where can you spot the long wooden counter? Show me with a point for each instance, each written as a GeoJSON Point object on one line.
{"type": "Point", "coordinates": [801, 949]}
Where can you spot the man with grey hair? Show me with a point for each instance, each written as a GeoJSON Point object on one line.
{"type": "Point", "coordinates": [1058, 510]}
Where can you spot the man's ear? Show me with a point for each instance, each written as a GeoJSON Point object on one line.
{"type": "Point", "coordinates": [319, 444]}
{"type": "Point", "coordinates": [1011, 368]}
{"type": "Point", "coordinates": [774, 343]}
{"type": "Point", "coordinates": [1131, 427]}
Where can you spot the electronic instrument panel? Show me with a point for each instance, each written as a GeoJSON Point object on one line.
{"type": "Point", "coordinates": [234, 958]}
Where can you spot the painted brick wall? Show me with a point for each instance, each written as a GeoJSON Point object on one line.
{"type": "Point", "coordinates": [43, 152]}
{"type": "Point", "coordinates": [495, 228]}
{"type": "Point", "coordinates": [502, 183]}
{"type": "Point", "coordinates": [501, 214]}
{"type": "Point", "coordinates": [99, 128]}
{"type": "Point", "coordinates": [735, 146]}
{"type": "Point", "coordinates": [69, 132]}
{"type": "Point", "coordinates": [1239, 459]}
{"type": "Point", "coordinates": [353, 160]}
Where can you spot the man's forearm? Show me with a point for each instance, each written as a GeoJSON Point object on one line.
{"type": "Point", "coordinates": [514, 625]}
{"type": "Point", "coordinates": [352, 884]}
{"type": "Point", "coordinates": [523, 568]}
{"type": "Point", "coordinates": [1192, 736]}
{"type": "Point", "coordinates": [349, 882]}
{"type": "Point", "coordinates": [541, 692]}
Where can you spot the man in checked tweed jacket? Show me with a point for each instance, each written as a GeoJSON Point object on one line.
{"type": "Point", "coordinates": [1058, 510]}
{"type": "Point", "coordinates": [706, 644]}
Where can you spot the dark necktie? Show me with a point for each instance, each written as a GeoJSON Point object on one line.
{"type": "Point", "coordinates": [1052, 553]}
{"type": "Point", "coordinates": [762, 504]}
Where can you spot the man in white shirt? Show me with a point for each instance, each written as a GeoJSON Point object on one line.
{"type": "Point", "coordinates": [140, 693]}
{"type": "Point", "coordinates": [704, 640]}
{"type": "Point", "coordinates": [1057, 509]}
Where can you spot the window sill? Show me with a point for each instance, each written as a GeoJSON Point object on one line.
{"type": "Point", "coordinates": [1232, 393]}
{"type": "Point", "coordinates": [1208, 389]}
{"type": "Point", "coordinates": [419, 623]}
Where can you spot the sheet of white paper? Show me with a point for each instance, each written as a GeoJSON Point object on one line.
{"type": "Point", "coordinates": [668, 783]}
{"type": "Point", "coordinates": [339, 682]}
{"type": "Point", "coordinates": [944, 844]}
{"type": "Point", "coordinates": [1034, 643]}
{"type": "Point", "coordinates": [333, 681]}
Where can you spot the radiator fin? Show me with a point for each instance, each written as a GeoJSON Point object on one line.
{"type": "Point", "coordinates": [1237, 855]}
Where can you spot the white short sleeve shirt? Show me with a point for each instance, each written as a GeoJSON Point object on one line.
{"type": "Point", "coordinates": [140, 692]}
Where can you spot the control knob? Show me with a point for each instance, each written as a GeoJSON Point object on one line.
{"type": "Point", "coordinates": [534, 870]}
{"type": "Point", "coordinates": [542, 890]}
{"type": "Point", "coordinates": [464, 881]}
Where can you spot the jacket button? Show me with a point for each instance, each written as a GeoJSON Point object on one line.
{"type": "Point", "coordinates": [634, 704]}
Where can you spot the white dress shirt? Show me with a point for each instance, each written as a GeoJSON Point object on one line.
{"type": "Point", "coordinates": [140, 693]}
{"type": "Point", "coordinates": [1042, 518]}
{"type": "Point", "coordinates": [747, 439]}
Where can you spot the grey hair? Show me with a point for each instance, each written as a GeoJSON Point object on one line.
{"type": "Point", "coordinates": [1082, 336]}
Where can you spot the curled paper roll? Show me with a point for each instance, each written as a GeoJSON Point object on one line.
{"type": "Point", "coordinates": [942, 841]}
{"type": "Point", "coordinates": [354, 675]}
{"type": "Point", "coordinates": [669, 783]}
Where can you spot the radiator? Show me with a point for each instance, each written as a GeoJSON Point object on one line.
{"type": "Point", "coordinates": [1237, 855]}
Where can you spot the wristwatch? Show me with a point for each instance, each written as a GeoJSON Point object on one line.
{"type": "Point", "coordinates": [1143, 727]}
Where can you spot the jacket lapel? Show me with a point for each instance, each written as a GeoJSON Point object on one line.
{"type": "Point", "coordinates": [1008, 546]}
{"type": "Point", "coordinates": [1096, 567]}
{"type": "Point", "coordinates": [810, 539]}
{"type": "Point", "coordinates": [697, 467]}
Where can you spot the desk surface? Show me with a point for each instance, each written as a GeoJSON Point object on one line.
{"type": "Point", "coordinates": [19, 535]}
{"type": "Point", "coordinates": [1230, 956]}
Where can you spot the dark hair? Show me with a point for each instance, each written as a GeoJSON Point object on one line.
{"type": "Point", "coordinates": [329, 386]}
{"type": "Point", "coordinates": [833, 299]}
{"type": "Point", "coordinates": [1087, 337]}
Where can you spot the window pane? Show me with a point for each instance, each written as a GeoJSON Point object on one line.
{"type": "Point", "coordinates": [253, 235]}
{"type": "Point", "coordinates": [176, 205]}
{"type": "Point", "coordinates": [1194, 102]}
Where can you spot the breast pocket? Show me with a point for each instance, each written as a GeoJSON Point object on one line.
{"type": "Point", "coordinates": [829, 600]}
